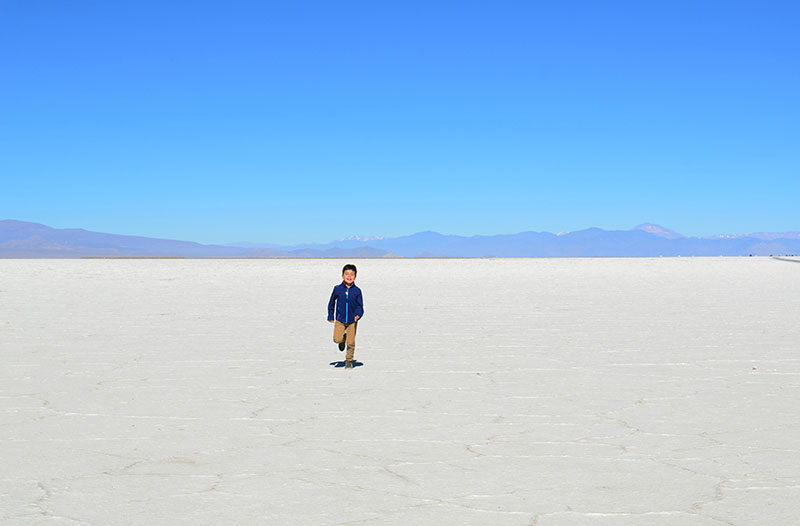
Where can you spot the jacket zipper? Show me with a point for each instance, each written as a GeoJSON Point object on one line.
{"type": "Point", "coordinates": [346, 297]}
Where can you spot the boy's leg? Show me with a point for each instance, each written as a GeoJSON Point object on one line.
{"type": "Point", "coordinates": [338, 331]}
{"type": "Point", "coordinates": [351, 340]}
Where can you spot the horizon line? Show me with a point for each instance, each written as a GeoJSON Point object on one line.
{"type": "Point", "coordinates": [378, 238]}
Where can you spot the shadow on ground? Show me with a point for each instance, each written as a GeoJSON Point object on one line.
{"type": "Point", "coordinates": [356, 363]}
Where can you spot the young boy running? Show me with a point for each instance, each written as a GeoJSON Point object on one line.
{"type": "Point", "coordinates": [349, 309]}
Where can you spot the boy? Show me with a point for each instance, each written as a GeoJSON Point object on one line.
{"type": "Point", "coordinates": [349, 309]}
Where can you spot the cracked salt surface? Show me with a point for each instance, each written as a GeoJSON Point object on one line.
{"type": "Point", "coordinates": [545, 392]}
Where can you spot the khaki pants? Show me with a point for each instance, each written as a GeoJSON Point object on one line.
{"type": "Point", "coordinates": [339, 329]}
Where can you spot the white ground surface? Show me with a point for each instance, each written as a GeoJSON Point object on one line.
{"type": "Point", "coordinates": [547, 392]}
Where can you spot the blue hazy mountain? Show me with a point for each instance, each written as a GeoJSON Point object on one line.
{"type": "Point", "coordinates": [24, 239]}
{"type": "Point", "coordinates": [643, 240]}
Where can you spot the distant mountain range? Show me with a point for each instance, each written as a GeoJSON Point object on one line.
{"type": "Point", "coordinates": [32, 240]}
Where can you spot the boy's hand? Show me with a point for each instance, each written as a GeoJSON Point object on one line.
{"type": "Point", "coordinates": [330, 321]}
{"type": "Point", "coordinates": [356, 318]}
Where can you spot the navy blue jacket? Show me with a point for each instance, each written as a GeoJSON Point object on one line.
{"type": "Point", "coordinates": [348, 303]}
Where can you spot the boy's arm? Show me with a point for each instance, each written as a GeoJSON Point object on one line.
{"type": "Point", "coordinates": [359, 312]}
{"type": "Point", "coordinates": [331, 304]}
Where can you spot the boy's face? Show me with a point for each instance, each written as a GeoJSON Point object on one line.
{"type": "Point", "coordinates": [349, 276]}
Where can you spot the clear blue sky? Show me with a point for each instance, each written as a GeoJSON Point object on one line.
{"type": "Point", "coordinates": [289, 122]}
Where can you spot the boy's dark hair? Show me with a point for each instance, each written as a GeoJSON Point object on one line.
{"type": "Point", "coordinates": [350, 267]}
